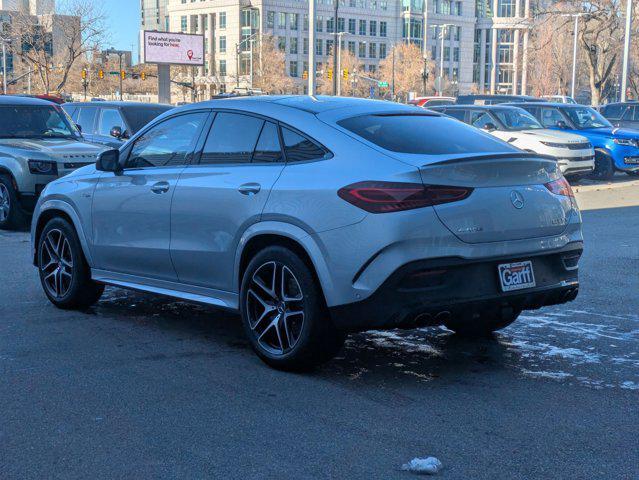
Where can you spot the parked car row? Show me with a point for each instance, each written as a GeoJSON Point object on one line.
{"type": "Point", "coordinates": [574, 153]}
{"type": "Point", "coordinates": [39, 142]}
{"type": "Point", "coordinates": [583, 140]}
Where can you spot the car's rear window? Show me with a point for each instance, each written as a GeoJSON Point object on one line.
{"type": "Point", "coordinates": [137, 117]}
{"type": "Point", "coordinates": [422, 134]}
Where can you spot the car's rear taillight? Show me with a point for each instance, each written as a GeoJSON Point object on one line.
{"type": "Point", "coordinates": [387, 197]}
{"type": "Point", "coordinates": [560, 187]}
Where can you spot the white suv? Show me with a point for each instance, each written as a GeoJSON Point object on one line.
{"type": "Point", "coordinates": [574, 153]}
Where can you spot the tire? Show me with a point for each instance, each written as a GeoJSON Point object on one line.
{"type": "Point", "coordinates": [289, 328]}
{"type": "Point", "coordinates": [633, 174]}
{"type": "Point", "coordinates": [11, 215]}
{"type": "Point", "coordinates": [64, 273]}
{"type": "Point", "coordinates": [482, 324]}
{"type": "Point", "coordinates": [604, 166]}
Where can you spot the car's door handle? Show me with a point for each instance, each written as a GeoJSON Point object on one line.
{"type": "Point", "coordinates": [249, 188]}
{"type": "Point", "coordinates": [160, 187]}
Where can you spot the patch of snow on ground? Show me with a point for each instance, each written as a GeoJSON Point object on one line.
{"type": "Point", "coordinates": [423, 466]}
{"type": "Point", "coordinates": [543, 374]}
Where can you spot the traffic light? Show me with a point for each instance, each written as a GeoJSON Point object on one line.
{"type": "Point", "coordinates": [122, 74]}
{"type": "Point", "coordinates": [330, 74]}
{"type": "Point", "coordinates": [100, 74]}
{"type": "Point", "coordinates": [345, 74]}
{"type": "Point", "coordinates": [143, 75]}
{"type": "Point", "coordinates": [305, 75]}
{"type": "Point", "coordinates": [84, 74]}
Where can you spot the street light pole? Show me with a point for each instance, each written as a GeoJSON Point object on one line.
{"type": "Point", "coordinates": [121, 79]}
{"type": "Point", "coordinates": [393, 75]}
{"type": "Point", "coordinates": [311, 47]}
{"type": "Point", "coordinates": [626, 51]}
{"type": "Point", "coordinates": [338, 72]}
{"type": "Point", "coordinates": [441, 59]}
{"type": "Point", "coordinates": [4, 67]}
{"type": "Point", "coordinates": [574, 50]}
{"type": "Point", "coordinates": [335, 42]}
{"type": "Point", "coordinates": [574, 58]}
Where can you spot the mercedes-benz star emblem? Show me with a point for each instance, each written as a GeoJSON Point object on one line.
{"type": "Point", "coordinates": [517, 199]}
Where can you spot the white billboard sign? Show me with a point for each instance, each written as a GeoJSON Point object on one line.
{"type": "Point", "coordinates": [173, 48]}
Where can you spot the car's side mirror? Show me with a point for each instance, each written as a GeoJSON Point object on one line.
{"type": "Point", "coordinates": [117, 132]}
{"type": "Point", "coordinates": [489, 127]}
{"type": "Point", "coordinates": [79, 127]}
{"type": "Point", "coordinates": [109, 161]}
{"type": "Point", "coordinates": [561, 124]}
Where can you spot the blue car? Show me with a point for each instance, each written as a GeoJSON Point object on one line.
{"type": "Point", "coordinates": [616, 149]}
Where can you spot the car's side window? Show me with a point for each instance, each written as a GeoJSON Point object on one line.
{"type": "Point", "coordinates": [456, 113]}
{"type": "Point", "coordinates": [299, 148]}
{"type": "Point", "coordinates": [71, 111]}
{"type": "Point", "coordinates": [232, 139]}
{"type": "Point", "coordinates": [632, 114]}
{"type": "Point", "coordinates": [269, 148]}
{"type": "Point", "coordinates": [109, 118]}
{"type": "Point", "coordinates": [613, 112]}
{"type": "Point", "coordinates": [480, 119]}
{"type": "Point", "coordinates": [86, 118]}
{"type": "Point", "coordinates": [168, 143]}
{"type": "Point", "coordinates": [550, 117]}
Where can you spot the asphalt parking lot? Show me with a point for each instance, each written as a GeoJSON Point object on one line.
{"type": "Point", "coordinates": [145, 387]}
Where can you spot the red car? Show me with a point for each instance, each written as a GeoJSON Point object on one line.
{"type": "Point", "coordinates": [432, 101]}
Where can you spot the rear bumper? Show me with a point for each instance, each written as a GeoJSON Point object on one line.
{"type": "Point", "coordinates": [424, 292]}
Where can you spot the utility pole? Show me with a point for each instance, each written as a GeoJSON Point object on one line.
{"type": "Point", "coordinates": [626, 51]}
{"type": "Point", "coordinates": [336, 79]}
{"type": "Point", "coordinates": [311, 48]}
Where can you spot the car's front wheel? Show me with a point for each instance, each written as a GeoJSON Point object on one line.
{"type": "Point", "coordinates": [11, 214]}
{"type": "Point", "coordinates": [284, 313]}
{"type": "Point", "coordinates": [604, 166]}
{"type": "Point", "coordinates": [482, 323]}
{"type": "Point", "coordinates": [64, 273]}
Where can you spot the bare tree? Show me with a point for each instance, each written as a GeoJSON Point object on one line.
{"type": "Point", "coordinates": [353, 84]}
{"type": "Point", "coordinates": [600, 37]}
{"type": "Point", "coordinates": [269, 68]}
{"type": "Point", "coordinates": [633, 69]}
{"type": "Point", "coordinates": [408, 66]}
{"type": "Point", "coordinates": [53, 44]}
{"type": "Point", "coordinates": [551, 53]}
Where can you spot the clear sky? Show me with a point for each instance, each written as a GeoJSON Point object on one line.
{"type": "Point", "coordinates": [123, 23]}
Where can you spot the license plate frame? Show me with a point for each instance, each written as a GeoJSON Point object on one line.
{"type": "Point", "coordinates": [516, 276]}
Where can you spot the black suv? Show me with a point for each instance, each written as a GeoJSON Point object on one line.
{"type": "Point", "coordinates": [624, 114]}
{"type": "Point", "coordinates": [494, 99]}
{"type": "Point", "coordinates": [111, 123]}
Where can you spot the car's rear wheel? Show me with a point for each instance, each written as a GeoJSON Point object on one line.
{"type": "Point", "coordinates": [11, 214]}
{"type": "Point", "coordinates": [481, 323]}
{"type": "Point", "coordinates": [284, 313]}
{"type": "Point", "coordinates": [604, 166]}
{"type": "Point", "coordinates": [64, 273]}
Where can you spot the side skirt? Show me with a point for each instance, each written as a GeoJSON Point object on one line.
{"type": "Point", "coordinates": [190, 293]}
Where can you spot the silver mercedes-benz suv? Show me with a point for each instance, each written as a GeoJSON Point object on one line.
{"type": "Point", "coordinates": [315, 217]}
{"type": "Point", "coordinates": [38, 144]}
